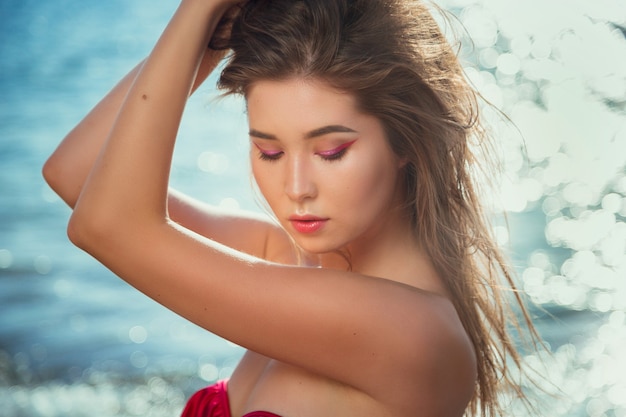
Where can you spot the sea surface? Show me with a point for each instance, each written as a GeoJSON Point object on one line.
{"type": "Point", "coordinates": [77, 341]}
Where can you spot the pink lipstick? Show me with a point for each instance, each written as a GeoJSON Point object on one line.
{"type": "Point", "coordinates": [307, 224]}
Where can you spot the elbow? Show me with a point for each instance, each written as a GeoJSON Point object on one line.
{"type": "Point", "coordinates": [50, 173]}
{"type": "Point", "coordinates": [80, 232]}
{"type": "Point", "coordinates": [88, 233]}
{"type": "Point", "coordinates": [53, 173]}
{"type": "Point", "coordinates": [88, 229]}
{"type": "Point", "coordinates": [94, 226]}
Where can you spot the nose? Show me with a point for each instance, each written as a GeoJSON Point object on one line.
{"type": "Point", "coordinates": [299, 179]}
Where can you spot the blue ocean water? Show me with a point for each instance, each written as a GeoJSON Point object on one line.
{"type": "Point", "coordinates": [74, 338]}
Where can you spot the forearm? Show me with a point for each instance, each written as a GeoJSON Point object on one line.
{"type": "Point", "coordinates": [128, 183]}
{"type": "Point", "coordinates": [69, 165]}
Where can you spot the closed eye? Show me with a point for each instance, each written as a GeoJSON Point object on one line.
{"type": "Point", "coordinates": [336, 153]}
{"type": "Point", "coordinates": [270, 156]}
{"type": "Point", "coordinates": [267, 155]}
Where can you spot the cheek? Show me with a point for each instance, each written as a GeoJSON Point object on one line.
{"type": "Point", "coordinates": [366, 186]}
{"type": "Point", "coordinates": [263, 179]}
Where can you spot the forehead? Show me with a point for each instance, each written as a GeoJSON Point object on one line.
{"type": "Point", "coordinates": [308, 100]}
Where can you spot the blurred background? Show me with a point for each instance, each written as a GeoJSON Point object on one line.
{"type": "Point", "coordinates": [75, 339]}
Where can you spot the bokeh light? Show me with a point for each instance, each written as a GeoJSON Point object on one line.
{"type": "Point", "coordinates": [70, 345]}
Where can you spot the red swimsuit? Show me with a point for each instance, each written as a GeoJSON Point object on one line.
{"type": "Point", "coordinates": [213, 402]}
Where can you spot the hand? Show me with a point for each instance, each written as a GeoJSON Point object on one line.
{"type": "Point", "coordinates": [221, 35]}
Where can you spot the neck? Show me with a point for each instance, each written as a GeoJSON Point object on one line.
{"type": "Point", "coordinates": [390, 252]}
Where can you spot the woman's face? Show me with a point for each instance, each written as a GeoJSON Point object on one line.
{"type": "Point", "coordinates": [325, 168]}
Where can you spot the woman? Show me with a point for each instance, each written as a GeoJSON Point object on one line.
{"type": "Point", "coordinates": [377, 294]}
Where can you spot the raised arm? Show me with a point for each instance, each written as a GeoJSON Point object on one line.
{"type": "Point", "coordinates": [132, 168]}
{"type": "Point", "coordinates": [66, 171]}
{"type": "Point", "coordinates": [68, 167]}
{"type": "Point", "coordinates": [296, 315]}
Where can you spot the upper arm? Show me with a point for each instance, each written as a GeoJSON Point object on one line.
{"type": "Point", "coordinates": [348, 327]}
{"type": "Point", "coordinates": [243, 231]}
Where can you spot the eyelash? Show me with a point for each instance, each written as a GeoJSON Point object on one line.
{"type": "Point", "coordinates": [334, 155]}
{"type": "Point", "coordinates": [330, 156]}
{"type": "Point", "coordinates": [271, 157]}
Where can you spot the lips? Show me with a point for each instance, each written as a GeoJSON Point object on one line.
{"type": "Point", "coordinates": [307, 224]}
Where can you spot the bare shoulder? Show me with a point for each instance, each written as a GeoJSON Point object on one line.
{"type": "Point", "coordinates": [442, 365]}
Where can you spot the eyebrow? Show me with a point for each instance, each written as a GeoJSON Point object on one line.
{"type": "Point", "coordinates": [310, 135]}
